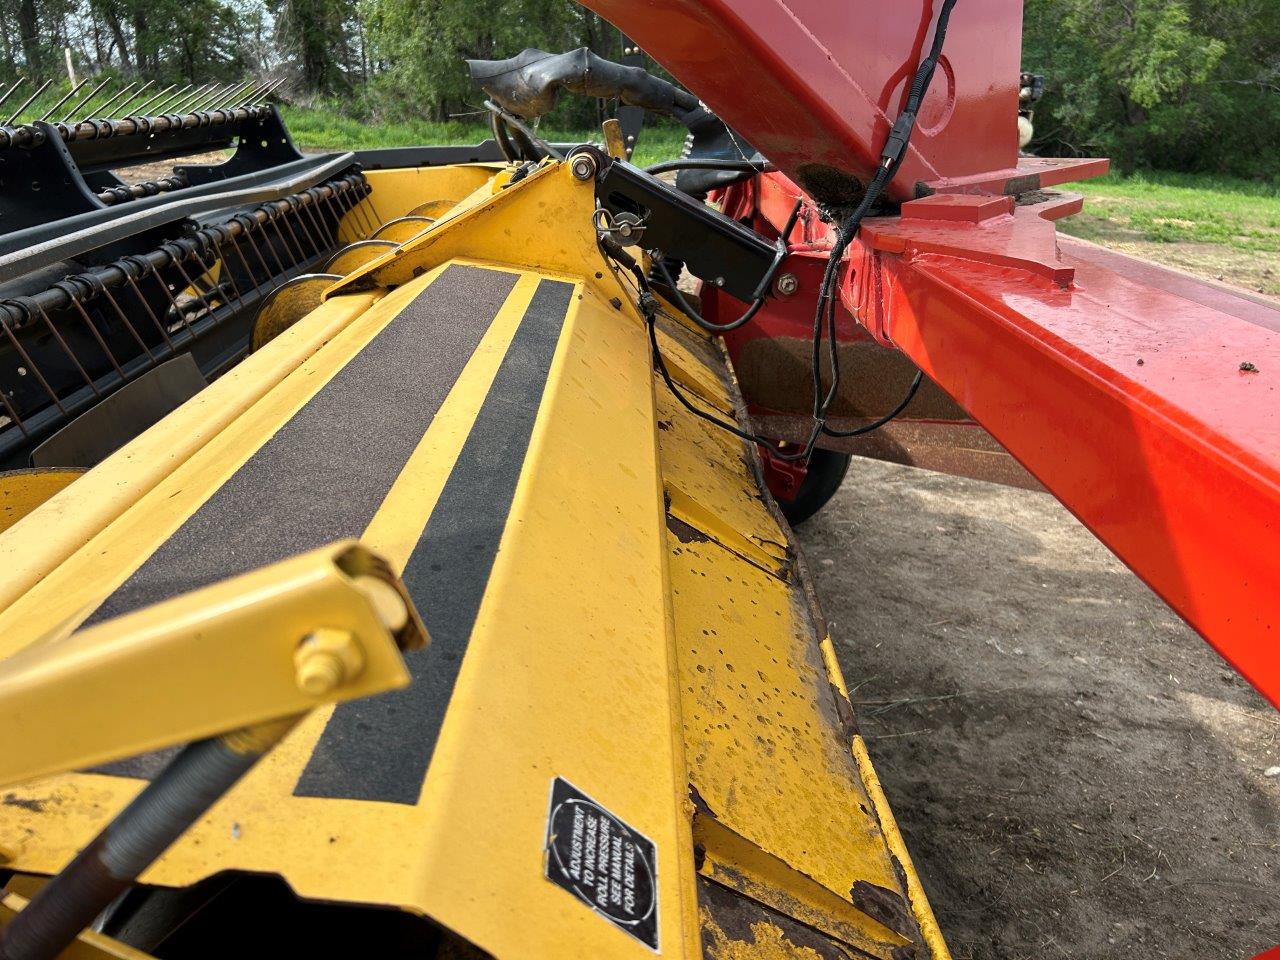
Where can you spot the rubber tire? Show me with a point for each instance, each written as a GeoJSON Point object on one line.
{"type": "Point", "coordinates": [826, 472]}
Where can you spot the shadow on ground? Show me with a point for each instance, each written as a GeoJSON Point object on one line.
{"type": "Point", "coordinates": [1076, 772]}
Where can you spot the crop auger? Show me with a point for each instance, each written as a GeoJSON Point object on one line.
{"type": "Point", "coordinates": [398, 560]}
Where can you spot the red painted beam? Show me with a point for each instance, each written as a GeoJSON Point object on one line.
{"type": "Point", "coordinates": [816, 85]}
{"type": "Point", "coordinates": [1153, 417]}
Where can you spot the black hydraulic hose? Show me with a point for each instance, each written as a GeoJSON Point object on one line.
{"type": "Point", "coordinates": [691, 163]}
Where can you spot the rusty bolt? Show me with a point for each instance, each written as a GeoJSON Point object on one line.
{"type": "Point", "coordinates": [786, 285]}
{"type": "Point", "coordinates": [325, 660]}
{"type": "Point", "coordinates": [583, 167]}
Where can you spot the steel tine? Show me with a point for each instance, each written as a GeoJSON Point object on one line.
{"type": "Point", "coordinates": [133, 98]}
{"type": "Point", "coordinates": [86, 101]}
{"type": "Point", "coordinates": [67, 96]}
{"type": "Point", "coordinates": [191, 97]}
{"type": "Point", "coordinates": [31, 99]}
{"type": "Point", "coordinates": [10, 92]}
{"type": "Point", "coordinates": [229, 103]}
{"type": "Point", "coordinates": [193, 102]}
{"type": "Point", "coordinates": [167, 102]}
{"type": "Point", "coordinates": [208, 98]}
{"type": "Point", "coordinates": [150, 101]}
{"type": "Point", "coordinates": [221, 101]}
{"type": "Point", "coordinates": [106, 108]}
{"type": "Point", "coordinates": [265, 92]}
{"type": "Point", "coordinates": [251, 93]}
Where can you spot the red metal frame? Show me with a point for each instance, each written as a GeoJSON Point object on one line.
{"type": "Point", "coordinates": [1147, 402]}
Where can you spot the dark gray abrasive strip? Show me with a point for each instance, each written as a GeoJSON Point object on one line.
{"type": "Point", "coordinates": [323, 474]}
{"type": "Point", "coordinates": [379, 748]}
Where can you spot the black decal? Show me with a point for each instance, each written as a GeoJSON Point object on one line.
{"type": "Point", "coordinates": [609, 866]}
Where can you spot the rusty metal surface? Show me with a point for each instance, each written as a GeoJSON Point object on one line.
{"type": "Point", "coordinates": [960, 449]}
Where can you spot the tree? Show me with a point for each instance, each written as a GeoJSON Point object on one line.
{"type": "Point", "coordinates": [318, 35]}
{"type": "Point", "coordinates": [1183, 84]}
{"type": "Point", "coordinates": [422, 44]}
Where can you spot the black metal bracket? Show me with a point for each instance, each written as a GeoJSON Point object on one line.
{"type": "Point", "coordinates": [264, 143]}
{"type": "Point", "coordinates": [41, 185]}
{"type": "Point", "coordinates": [713, 247]}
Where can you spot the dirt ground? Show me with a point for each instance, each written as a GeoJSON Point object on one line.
{"type": "Point", "coordinates": [1077, 774]}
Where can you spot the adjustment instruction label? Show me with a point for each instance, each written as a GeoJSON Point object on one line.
{"type": "Point", "coordinates": [606, 864]}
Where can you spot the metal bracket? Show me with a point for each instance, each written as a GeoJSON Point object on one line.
{"type": "Point", "coordinates": [322, 627]}
{"type": "Point", "coordinates": [713, 247]}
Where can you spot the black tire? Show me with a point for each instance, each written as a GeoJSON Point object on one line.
{"type": "Point", "coordinates": [826, 472]}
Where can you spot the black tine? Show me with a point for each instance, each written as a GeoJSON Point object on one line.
{"type": "Point", "coordinates": [248, 271]}
{"type": "Point", "coordinates": [283, 217]}
{"type": "Point", "coordinates": [151, 101]}
{"type": "Point", "coordinates": [376, 216]}
{"type": "Point", "coordinates": [163, 106]}
{"type": "Point", "coordinates": [10, 92]}
{"type": "Point", "coordinates": [133, 98]}
{"type": "Point", "coordinates": [267, 272]}
{"type": "Point", "coordinates": [86, 101]}
{"type": "Point", "coordinates": [220, 257]}
{"type": "Point", "coordinates": [67, 96]}
{"type": "Point", "coordinates": [137, 292]}
{"type": "Point", "coordinates": [67, 350]}
{"type": "Point", "coordinates": [13, 414]}
{"type": "Point", "coordinates": [194, 286]}
{"type": "Point", "coordinates": [30, 100]}
{"type": "Point", "coordinates": [97, 336]}
{"type": "Point", "coordinates": [129, 325]}
{"type": "Point", "coordinates": [275, 222]}
{"type": "Point", "coordinates": [17, 345]}
{"type": "Point", "coordinates": [106, 108]}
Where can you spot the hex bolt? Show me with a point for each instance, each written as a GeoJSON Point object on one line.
{"type": "Point", "coordinates": [786, 285]}
{"type": "Point", "coordinates": [325, 660]}
{"type": "Point", "coordinates": [583, 167]}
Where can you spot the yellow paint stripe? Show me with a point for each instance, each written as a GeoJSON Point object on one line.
{"type": "Point", "coordinates": [47, 536]}
{"type": "Point", "coordinates": [920, 908]}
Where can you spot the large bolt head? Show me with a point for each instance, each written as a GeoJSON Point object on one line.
{"type": "Point", "coordinates": [583, 167]}
{"type": "Point", "coordinates": [787, 285]}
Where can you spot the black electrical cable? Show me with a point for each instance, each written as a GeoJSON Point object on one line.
{"type": "Point", "coordinates": [761, 292]}
{"type": "Point", "coordinates": [891, 157]}
{"type": "Point", "coordinates": [648, 305]}
{"type": "Point", "coordinates": [752, 309]}
{"type": "Point", "coordinates": [878, 423]}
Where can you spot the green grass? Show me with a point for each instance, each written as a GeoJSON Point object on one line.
{"type": "Point", "coordinates": [1181, 208]}
{"type": "Point", "coordinates": [323, 130]}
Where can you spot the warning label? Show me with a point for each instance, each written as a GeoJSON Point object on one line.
{"type": "Point", "coordinates": [603, 862]}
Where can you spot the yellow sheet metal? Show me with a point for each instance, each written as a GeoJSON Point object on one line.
{"type": "Point", "coordinates": [645, 634]}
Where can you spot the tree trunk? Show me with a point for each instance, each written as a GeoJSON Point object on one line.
{"type": "Point", "coordinates": [29, 35]}
{"type": "Point", "coordinates": [117, 34]}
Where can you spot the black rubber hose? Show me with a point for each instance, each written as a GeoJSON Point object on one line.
{"type": "Point", "coordinates": [529, 83]}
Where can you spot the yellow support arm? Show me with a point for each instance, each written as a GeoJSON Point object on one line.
{"type": "Point", "coordinates": [322, 627]}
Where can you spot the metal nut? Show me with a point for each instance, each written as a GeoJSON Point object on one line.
{"type": "Point", "coordinates": [583, 167]}
{"type": "Point", "coordinates": [786, 285]}
{"type": "Point", "coordinates": [325, 660]}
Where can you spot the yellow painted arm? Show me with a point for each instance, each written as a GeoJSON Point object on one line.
{"type": "Point", "coordinates": [322, 627]}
